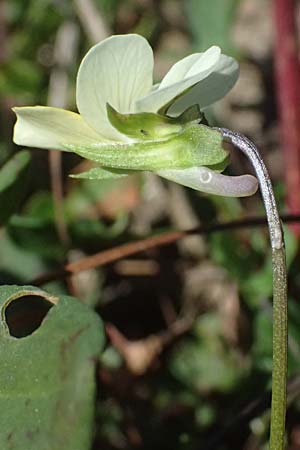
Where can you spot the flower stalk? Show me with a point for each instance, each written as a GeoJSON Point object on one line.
{"type": "Point", "coordinates": [280, 328]}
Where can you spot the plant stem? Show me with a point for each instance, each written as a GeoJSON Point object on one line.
{"type": "Point", "coordinates": [280, 332]}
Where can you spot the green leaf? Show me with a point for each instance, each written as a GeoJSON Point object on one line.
{"type": "Point", "coordinates": [12, 181]}
{"type": "Point", "coordinates": [47, 368]}
{"type": "Point", "coordinates": [19, 75]}
{"type": "Point", "coordinates": [205, 363]}
{"type": "Point", "coordinates": [195, 146]}
{"type": "Point", "coordinates": [30, 232]}
{"type": "Point", "coordinates": [18, 264]}
{"type": "Point", "coordinates": [211, 22]}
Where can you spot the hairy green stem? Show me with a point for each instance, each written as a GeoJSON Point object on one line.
{"type": "Point", "coordinates": [280, 328]}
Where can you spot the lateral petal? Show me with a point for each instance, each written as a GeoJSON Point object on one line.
{"type": "Point", "coordinates": [211, 89]}
{"type": "Point", "coordinates": [45, 127]}
{"type": "Point", "coordinates": [191, 65]}
{"type": "Point", "coordinates": [181, 77]}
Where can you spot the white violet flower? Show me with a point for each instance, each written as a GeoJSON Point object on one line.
{"type": "Point", "coordinates": [125, 123]}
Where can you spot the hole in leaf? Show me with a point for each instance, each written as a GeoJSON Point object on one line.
{"type": "Point", "coordinates": [24, 315]}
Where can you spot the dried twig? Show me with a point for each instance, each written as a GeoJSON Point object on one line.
{"type": "Point", "coordinates": [108, 256]}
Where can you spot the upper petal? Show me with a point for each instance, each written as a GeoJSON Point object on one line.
{"type": "Point", "coordinates": [182, 76]}
{"type": "Point", "coordinates": [191, 65]}
{"type": "Point", "coordinates": [45, 127]}
{"type": "Point", "coordinates": [117, 71]}
{"type": "Point", "coordinates": [210, 89]}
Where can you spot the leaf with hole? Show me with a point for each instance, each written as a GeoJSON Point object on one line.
{"type": "Point", "coordinates": [49, 347]}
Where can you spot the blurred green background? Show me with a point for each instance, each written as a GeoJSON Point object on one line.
{"type": "Point", "coordinates": [187, 362]}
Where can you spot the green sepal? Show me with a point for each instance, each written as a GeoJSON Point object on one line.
{"type": "Point", "coordinates": [196, 145]}
{"type": "Point", "coordinates": [101, 173]}
{"type": "Point", "coordinates": [142, 126]}
{"type": "Point", "coordinates": [191, 114]}
{"type": "Point", "coordinates": [220, 167]}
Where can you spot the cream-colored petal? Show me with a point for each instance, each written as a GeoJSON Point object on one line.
{"type": "Point", "coordinates": [117, 71]}
{"type": "Point", "coordinates": [211, 89]}
{"type": "Point", "coordinates": [191, 65]}
{"type": "Point", "coordinates": [45, 127]}
{"type": "Point", "coordinates": [181, 77]}
{"type": "Point", "coordinates": [207, 180]}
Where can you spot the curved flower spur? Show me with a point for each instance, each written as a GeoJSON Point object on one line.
{"type": "Point", "coordinates": [127, 124]}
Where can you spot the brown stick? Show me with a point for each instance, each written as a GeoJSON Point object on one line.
{"type": "Point", "coordinates": [108, 256]}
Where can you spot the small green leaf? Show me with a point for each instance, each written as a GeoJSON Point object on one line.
{"type": "Point", "coordinates": [195, 146]}
{"type": "Point", "coordinates": [100, 173]}
{"type": "Point", "coordinates": [49, 347]}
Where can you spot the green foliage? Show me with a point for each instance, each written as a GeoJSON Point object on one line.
{"type": "Point", "coordinates": [211, 23]}
{"type": "Point", "coordinates": [49, 403]}
{"type": "Point", "coordinates": [36, 224]}
{"type": "Point", "coordinates": [204, 363]}
{"type": "Point", "coordinates": [252, 267]}
{"type": "Point", "coordinates": [13, 177]}
{"type": "Point", "coordinates": [20, 76]}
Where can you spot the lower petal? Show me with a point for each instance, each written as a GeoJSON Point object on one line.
{"type": "Point", "coordinates": [206, 180]}
{"type": "Point", "coordinates": [46, 127]}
